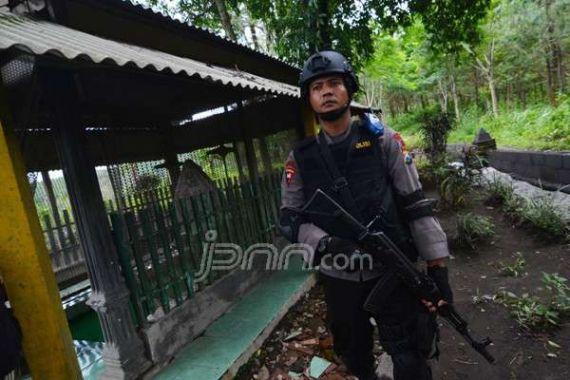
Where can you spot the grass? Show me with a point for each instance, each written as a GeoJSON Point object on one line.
{"type": "Point", "coordinates": [539, 213]}
{"type": "Point", "coordinates": [536, 127]}
{"type": "Point", "coordinates": [473, 230]}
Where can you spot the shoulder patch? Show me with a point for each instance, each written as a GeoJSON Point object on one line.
{"type": "Point", "coordinates": [408, 157]}
{"type": "Point", "coordinates": [290, 171]}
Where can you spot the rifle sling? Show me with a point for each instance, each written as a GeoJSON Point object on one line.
{"type": "Point", "coordinates": [340, 182]}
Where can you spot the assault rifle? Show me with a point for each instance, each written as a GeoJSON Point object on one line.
{"type": "Point", "coordinates": [399, 265]}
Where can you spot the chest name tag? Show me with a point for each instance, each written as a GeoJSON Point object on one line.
{"type": "Point", "coordinates": [363, 144]}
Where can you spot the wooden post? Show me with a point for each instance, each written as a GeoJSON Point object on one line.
{"type": "Point", "coordinates": [171, 162]}
{"type": "Point", "coordinates": [26, 268]}
{"type": "Point", "coordinates": [265, 156]}
{"type": "Point", "coordinates": [309, 121]}
{"type": "Point", "coordinates": [249, 149]}
{"type": "Point", "coordinates": [123, 353]}
{"type": "Point", "coordinates": [237, 155]}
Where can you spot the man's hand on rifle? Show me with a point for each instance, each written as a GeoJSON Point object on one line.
{"type": "Point", "coordinates": [333, 246]}
{"type": "Point", "coordinates": [438, 272]}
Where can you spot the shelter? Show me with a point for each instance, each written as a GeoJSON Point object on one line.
{"type": "Point", "coordinates": [87, 83]}
{"type": "Point", "coordinates": [103, 82]}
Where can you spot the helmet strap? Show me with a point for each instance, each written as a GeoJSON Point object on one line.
{"type": "Point", "coordinates": [334, 114]}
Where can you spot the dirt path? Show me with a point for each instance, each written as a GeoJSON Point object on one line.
{"type": "Point", "coordinates": [519, 354]}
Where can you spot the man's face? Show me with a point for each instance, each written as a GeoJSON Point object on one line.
{"type": "Point", "coordinates": [327, 93]}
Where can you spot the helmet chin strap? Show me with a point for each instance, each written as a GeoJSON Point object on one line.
{"type": "Point", "coordinates": [334, 114]}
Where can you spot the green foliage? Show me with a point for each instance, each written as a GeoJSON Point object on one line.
{"type": "Point", "coordinates": [534, 314]}
{"type": "Point", "coordinates": [539, 126]}
{"type": "Point", "coordinates": [447, 22]}
{"type": "Point", "coordinates": [455, 187]}
{"type": "Point", "coordinates": [530, 313]}
{"type": "Point", "coordinates": [545, 218]}
{"type": "Point", "coordinates": [559, 292]}
{"type": "Point", "coordinates": [516, 268]}
{"type": "Point", "coordinates": [434, 130]}
{"type": "Point", "coordinates": [147, 182]}
{"type": "Point", "coordinates": [539, 213]}
{"type": "Point", "coordinates": [498, 192]}
{"type": "Point", "coordinates": [473, 230]}
{"type": "Point", "coordinates": [298, 28]}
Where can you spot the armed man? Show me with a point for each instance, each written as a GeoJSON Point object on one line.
{"type": "Point", "coordinates": [367, 170]}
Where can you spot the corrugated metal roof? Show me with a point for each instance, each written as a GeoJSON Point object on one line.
{"type": "Point", "coordinates": [42, 37]}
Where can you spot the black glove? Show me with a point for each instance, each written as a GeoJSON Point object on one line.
{"type": "Point", "coordinates": [440, 276]}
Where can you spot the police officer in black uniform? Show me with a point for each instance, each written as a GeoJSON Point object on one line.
{"type": "Point", "coordinates": [371, 174]}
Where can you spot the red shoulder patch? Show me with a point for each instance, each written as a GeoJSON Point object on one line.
{"type": "Point", "coordinates": [408, 157]}
{"type": "Point", "coordinates": [400, 140]}
{"type": "Point", "coordinates": [290, 171]}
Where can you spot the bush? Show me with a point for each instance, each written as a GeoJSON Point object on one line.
{"type": "Point", "coordinates": [545, 218]}
{"type": "Point", "coordinates": [473, 229]}
{"type": "Point", "coordinates": [455, 184]}
{"type": "Point", "coordinates": [515, 269]}
{"type": "Point", "coordinates": [434, 130]}
{"type": "Point", "coordinates": [498, 192]}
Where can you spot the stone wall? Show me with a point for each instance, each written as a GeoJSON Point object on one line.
{"type": "Point", "coordinates": [549, 167]}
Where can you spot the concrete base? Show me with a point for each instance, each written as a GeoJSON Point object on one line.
{"type": "Point", "coordinates": [258, 342]}
{"type": "Point", "coordinates": [182, 325]}
{"type": "Point", "coordinates": [231, 340]}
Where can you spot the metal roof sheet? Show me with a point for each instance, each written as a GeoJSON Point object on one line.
{"type": "Point", "coordinates": [45, 38]}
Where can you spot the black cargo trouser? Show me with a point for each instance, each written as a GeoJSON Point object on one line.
{"type": "Point", "coordinates": [398, 329]}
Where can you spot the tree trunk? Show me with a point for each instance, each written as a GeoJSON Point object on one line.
{"type": "Point", "coordinates": [268, 37]}
{"type": "Point", "coordinates": [551, 55]}
{"type": "Point", "coordinates": [253, 35]}
{"type": "Point", "coordinates": [443, 92]}
{"type": "Point", "coordinates": [550, 82]}
{"type": "Point", "coordinates": [323, 32]}
{"type": "Point", "coordinates": [225, 19]}
{"type": "Point", "coordinates": [493, 94]}
{"type": "Point", "coordinates": [423, 101]}
{"type": "Point", "coordinates": [476, 87]}
{"type": "Point", "coordinates": [455, 98]}
{"type": "Point", "coordinates": [560, 73]}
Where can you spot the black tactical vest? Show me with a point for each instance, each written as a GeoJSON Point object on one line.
{"type": "Point", "coordinates": [361, 161]}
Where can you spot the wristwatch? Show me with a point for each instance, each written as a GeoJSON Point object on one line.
{"type": "Point", "coordinates": [323, 244]}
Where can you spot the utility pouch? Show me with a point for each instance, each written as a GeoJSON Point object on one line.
{"type": "Point", "coordinates": [427, 335]}
{"type": "Point", "coordinates": [376, 300]}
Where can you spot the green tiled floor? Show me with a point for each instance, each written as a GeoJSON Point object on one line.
{"type": "Point", "coordinates": [211, 355]}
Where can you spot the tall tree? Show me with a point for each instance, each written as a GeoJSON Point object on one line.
{"type": "Point", "coordinates": [225, 19]}
{"type": "Point", "coordinates": [302, 27]}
